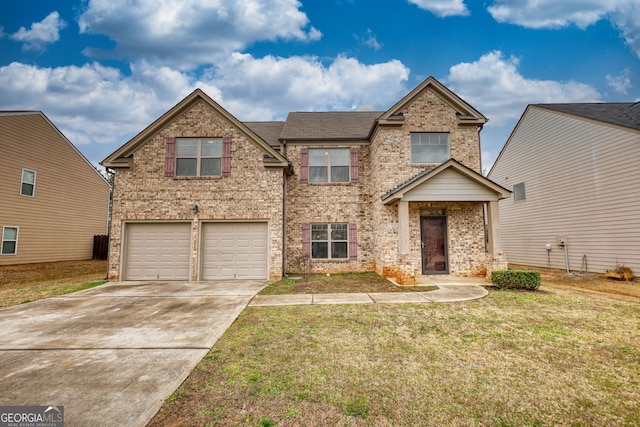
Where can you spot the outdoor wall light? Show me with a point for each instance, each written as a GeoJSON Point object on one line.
{"type": "Point", "coordinates": [195, 209]}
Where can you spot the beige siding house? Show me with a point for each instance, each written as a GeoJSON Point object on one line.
{"type": "Point", "coordinates": [52, 200]}
{"type": "Point", "coordinates": [576, 181]}
{"type": "Point", "coordinates": [200, 195]}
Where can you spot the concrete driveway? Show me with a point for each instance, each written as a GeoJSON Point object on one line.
{"type": "Point", "coordinates": [110, 355]}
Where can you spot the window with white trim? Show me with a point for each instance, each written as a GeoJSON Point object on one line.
{"type": "Point", "coordinates": [518, 192]}
{"type": "Point", "coordinates": [28, 183]}
{"type": "Point", "coordinates": [329, 241]}
{"type": "Point", "coordinates": [198, 156]}
{"type": "Point", "coordinates": [9, 240]}
{"type": "Point", "coordinates": [429, 147]}
{"type": "Point", "coordinates": [329, 165]}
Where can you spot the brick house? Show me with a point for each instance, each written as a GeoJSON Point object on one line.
{"type": "Point", "coordinates": [199, 195]}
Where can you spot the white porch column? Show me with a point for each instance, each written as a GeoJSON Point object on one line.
{"type": "Point", "coordinates": [493, 217]}
{"type": "Point", "coordinates": [403, 228]}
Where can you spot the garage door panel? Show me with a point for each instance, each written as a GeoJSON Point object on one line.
{"type": "Point", "coordinates": [157, 251]}
{"type": "Point", "coordinates": [234, 251]}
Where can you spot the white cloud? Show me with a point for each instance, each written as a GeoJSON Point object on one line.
{"type": "Point", "coordinates": [494, 85]}
{"type": "Point", "coordinates": [41, 33]}
{"type": "Point", "coordinates": [370, 40]}
{"type": "Point", "coordinates": [623, 14]}
{"type": "Point", "coordinates": [620, 83]}
{"type": "Point", "coordinates": [187, 34]}
{"type": "Point", "coordinates": [443, 8]}
{"type": "Point", "coordinates": [100, 108]}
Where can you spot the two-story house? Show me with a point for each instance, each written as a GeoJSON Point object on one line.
{"type": "Point", "coordinates": [200, 195]}
{"type": "Point", "coordinates": [52, 199]}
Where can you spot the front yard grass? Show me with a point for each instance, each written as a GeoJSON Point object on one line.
{"type": "Point", "coordinates": [555, 357]}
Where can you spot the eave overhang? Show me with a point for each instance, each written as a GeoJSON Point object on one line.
{"type": "Point", "coordinates": [398, 194]}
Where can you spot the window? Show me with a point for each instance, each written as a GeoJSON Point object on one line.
{"type": "Point", "coordinates": [198, 156]}
{"type": "Point", "coordinates": [518, 192]}
{"type": "Point", "coordinates": [329, 241]}
{"type": "Point", "coordinates": [28, 183]}
{"type": "Point", "coordinates": [329, 165]}
{"type": "Point", "coordinates": [429, 147]}
{"type": "Point", "coordinates": [9, 240]}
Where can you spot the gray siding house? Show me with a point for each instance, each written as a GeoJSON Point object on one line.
{"type": "Point", "coordinates": [575, 175]}
{"type": "Point", "coordinates": [200, 195]}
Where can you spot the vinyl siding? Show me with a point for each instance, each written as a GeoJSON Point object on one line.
{"type": "Point", "coordinates": [71, 199]}
{"type": "Point", "coordinates": [450, 186]}
{"type": "Point", "coordinates": [582, 181]}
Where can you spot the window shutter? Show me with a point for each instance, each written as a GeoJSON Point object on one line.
{"type": "Point", "coordinates": [353, 241]}
{"type": "Point", "coordinates": [226, 156]}
{"type": "Point", "coordinates": [354, 164]}
{"type": "Point", "coordinates": [304, 164]}
{"type": "Point", "coordinates": [306, 240]}
{"type": "Point", "coordinates": [170, 157]}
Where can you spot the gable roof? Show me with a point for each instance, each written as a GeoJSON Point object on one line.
{"type": "Point", "coordinates": [329, 126]}
{"type": "Point", "coordinates": [397, 193]}
{"type": "Point", "coordinates": [34, 114]}
{"type": "Point", "coordinates": [118, 157]}
{"type": "Point", "coordinates": [625, 114]}
{"type": "Point", "coordinates": [466, 113]}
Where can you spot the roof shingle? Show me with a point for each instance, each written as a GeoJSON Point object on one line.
{"type": "Point", "coordinates": [625, 114]}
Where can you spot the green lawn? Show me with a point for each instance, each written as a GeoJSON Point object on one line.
{"type": "Point", "coordinates": [555, 357]}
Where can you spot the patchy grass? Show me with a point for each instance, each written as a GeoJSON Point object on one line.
{"type": "Point", "coordinates": [554, 357]}
{"type": "Point", "coordinates": [338, 283]}
{"type": "Point", "coordinates": [24, 283]}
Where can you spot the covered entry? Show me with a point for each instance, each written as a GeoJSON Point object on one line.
{"type": "Point", "coordinates": [157, 251]}
{"type": "Point", "coordinates": [234, 250]}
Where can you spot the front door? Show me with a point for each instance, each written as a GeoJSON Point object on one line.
{"type": "Point", "coordinates": [434, 245]}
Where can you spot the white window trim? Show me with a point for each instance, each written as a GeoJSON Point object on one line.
{"type": "Point", "coordinates": [199, 156]}
{"type": "Point", "coordinates": [15, 252]}
{"type": "Point", "coordinates": [329, 240]}
{"type": "Point", "coordinates": [329, 166]}
{"type": "Point", "coordinates": [35, 175]}
{"type": "Point", "coordinates": [430, 163]}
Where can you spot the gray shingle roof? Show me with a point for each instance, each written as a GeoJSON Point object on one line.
{"type": "Point", "coordinates": [625, 114]}
{"type": "Point", "coordinates": [268, 131]}
{"type": "Point", "coordinates": [329, 125]}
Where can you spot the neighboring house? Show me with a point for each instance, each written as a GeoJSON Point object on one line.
{"type": "Point", "coordinates": [574, 170]}
{"type": "Point", "coordinates": [52, 200]}
{"type": "Point", "coordinates": [200, 195]}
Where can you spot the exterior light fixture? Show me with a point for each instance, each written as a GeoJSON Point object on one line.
{"type": "Point", "coordinates": [195, 209]}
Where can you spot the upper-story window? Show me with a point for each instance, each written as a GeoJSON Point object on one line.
{"type": "Point", "coordinates": [329, 165]}
{"type": "Point", "coordinates": [28, 183]}
{"type": "Point", "coordinates": [429, 147]}
{"type": "Point", "coordinates": [518, 192]}
{"type": "Point", "coordinates": [198, 156]}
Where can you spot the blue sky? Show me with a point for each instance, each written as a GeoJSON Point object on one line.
{"type": "Point", "coordinates": [102, 70]}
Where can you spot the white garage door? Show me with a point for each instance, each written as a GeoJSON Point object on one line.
{"type": "Point", "coordinates": [234, 251]}
{"type": "Point", "coordinates": [157, 251]}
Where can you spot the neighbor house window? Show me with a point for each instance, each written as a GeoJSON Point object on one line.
{"type": "Point", "coordinates": [518, 192]}
{"type": "Point", "coordinates": [329, 165]}
{"type": "Point", "coordinates": [429, 147]}
{"type": "Point", "coordinates": [329, 241]}
{"type": "Point", "coordinates": [28, 183]}
{"type": "Point", "coordinates": [198, 156]}
{"type": "Point", "coordinates": [9, 240]}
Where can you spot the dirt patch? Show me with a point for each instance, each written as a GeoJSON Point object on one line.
{"type": "Point", "coordinates": [30, 282]}
{"type": "Point", "coordinates": [592, 282]}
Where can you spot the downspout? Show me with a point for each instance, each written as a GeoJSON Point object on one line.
{"type": "Point", "coordinates": [284, 211]}
{"type": "Point", "coordinates": [109, 218]}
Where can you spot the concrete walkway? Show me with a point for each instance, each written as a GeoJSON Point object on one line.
{"type": "Point", "coordinates": [450, 289]}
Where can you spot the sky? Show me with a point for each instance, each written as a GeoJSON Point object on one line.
{"type": "Point", "coordinates": [103, 70]}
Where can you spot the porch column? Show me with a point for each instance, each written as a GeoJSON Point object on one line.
{"type": "Point", "coordinates": [493, 217]}
{"type": "Point", "coordinates": [403, 228]}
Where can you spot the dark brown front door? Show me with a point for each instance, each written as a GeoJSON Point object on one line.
{"type": "Point", "coordinates": [434, 244]}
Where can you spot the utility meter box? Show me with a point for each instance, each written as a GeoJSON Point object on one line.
{"type": "Point", "coordinates": [548, 246]}
{"type": "Point", "coordinates": [562, 240]}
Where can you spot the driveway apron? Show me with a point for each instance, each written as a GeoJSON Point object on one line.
{"type": "Point", "coordinates": [111, 355]}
